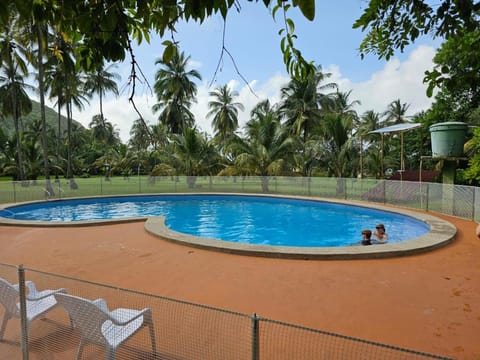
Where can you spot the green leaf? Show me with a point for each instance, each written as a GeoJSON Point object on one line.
{"type": "Point", "coordinates": [291, 25]}
{"type": "Point", "coordinates": [282, 44]}
{"type": "Point", "coordinates": [274, 10]}
{"type": "Point", "coordinates": [430, 88]}
{"type": "Point", "coordinates": [169, 53]}
{"type": "Point", "coordinates": [307, 8]}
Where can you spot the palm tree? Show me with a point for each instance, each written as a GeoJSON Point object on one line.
{"type": "Point", "coordinates": [104, 132]}
{"type": "Point", "coordinates": [338, 143]}
{"type": "Point", "coordinates": [85, 153]}
{"type": "Point", "coordinates": [196, 153]}
{"type": "Point", "coordinates": [341, 105]}
{"type": "Point", "coordinates": [175, 91]}
{"type": "Point", "coordinates": [65, 84]}
{"type": "Point", "coordinates": [138, 145]}
{"type": "Point", "coordinates": [263, 108]}
{"type": "Point", "coordinates": [8, 156]}
{"type": "Point", "coordinates": [369, 121]}
{"type": "Point", "coordinates": [302, 101]}
{"type": "Point", "coordinates": [139, 136]}
{"type": "Point", "coordinates": [159, 133]}
{"type": "Point", "coordinates": [224, 111]}
{"type": "Point", "coordinates": [100, 82]}
{"type": "Point", "coordinates": [39, 32]}
{"type": "Point", "coordinates": [395, 114]}
{"type": "Point", "coordinates": [14, 100]}
{"type": "Point", "coordinates": [266, 148]}
{"type": "Point", "coordinates": [32, 142]}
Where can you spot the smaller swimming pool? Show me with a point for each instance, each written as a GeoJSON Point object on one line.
{"type": "Point", "coordinates": [255, 220]}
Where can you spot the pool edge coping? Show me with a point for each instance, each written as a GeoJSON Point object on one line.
{"type": "Point", "coordinates": [441, 233]}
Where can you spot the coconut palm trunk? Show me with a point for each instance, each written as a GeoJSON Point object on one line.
{"type": "Point", "coordinates": [16, 120]}
{"type": "Point", "coordinates": [59, 135]}
{"type": "Point", "coordinates": [41, 88]}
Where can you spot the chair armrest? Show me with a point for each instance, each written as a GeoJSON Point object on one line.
{"type": "Point", "coordinates": [101, 304]}
{"type": "Point", "coordinates": [34, 294]}
{"type": "Point", "coordinates": [29, 284]}
{"type": "Point", "coordinates": [44, 294]}
{"type": "Point", "coordinates": [135, 314]}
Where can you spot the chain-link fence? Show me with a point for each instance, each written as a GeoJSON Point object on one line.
{"type": "Point", "coordinates": [63, 317]}
{"type": "Point", "coordinates": [456, 200]}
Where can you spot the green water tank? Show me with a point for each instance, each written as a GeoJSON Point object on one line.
{"type": "Point", "coordinates": [448, 139]}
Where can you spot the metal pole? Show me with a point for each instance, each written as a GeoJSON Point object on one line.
{"type": "Point", "coordinates": [14, 193]}
{"type": "Point", "coordinates": [473, 204]}
{"type": "Point", "coordinates": [255, 337]}
{"type": "Point", "coordinates": [428, 188]}
{"type": "Point", "coordinates": [384, 191]}
{"type": "Point", "coordinates": [382, 159]}
{"type": "Point", "coordinates": [420, 180]}
{"type": "Point", "coordinates": [23, 312]}
{"type": "Point", "coordinates": [139, 180]}
{"type": "Point", "coordinates": [361, 156]}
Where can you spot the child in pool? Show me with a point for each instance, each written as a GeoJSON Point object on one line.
{"type": "Point", "coordinates": [366, 234]}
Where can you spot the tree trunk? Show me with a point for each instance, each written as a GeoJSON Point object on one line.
{"type": "Point", "coordinates": [265, 184]}
{"type": "Point", "coordinates": [59, 134]}
{"type": "Point", "coordinates": [16, 116]}
{"type": "Point", "coordinates": [41, 89]}
{"type": "Point", "coordinates": [69, 139]}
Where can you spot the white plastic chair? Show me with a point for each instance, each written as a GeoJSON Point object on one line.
{"type": "Point", "coordinates": [37, 302]}
{"type": "Point", "coordinates": [100, 326]}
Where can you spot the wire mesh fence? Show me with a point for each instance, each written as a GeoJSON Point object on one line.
{"type": "Point", "coordinates": [456, 200]}
{"type": "Point", "coordinates": [69, 318]}
{"type": "Point", "coordinates": [133, 325]}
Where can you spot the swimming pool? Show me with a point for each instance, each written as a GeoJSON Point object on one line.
{"type": "Point", "coordinates": [254, 220]}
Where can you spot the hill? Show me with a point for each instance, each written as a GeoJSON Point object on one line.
{"type": "Point", "coordinates": [51, 115]}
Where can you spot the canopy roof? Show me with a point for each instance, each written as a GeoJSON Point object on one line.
{"type": "Point", "coordinates": [396, 128]}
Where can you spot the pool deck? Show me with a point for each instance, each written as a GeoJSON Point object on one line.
{"type": "Point", "coordinates": [428, 302]}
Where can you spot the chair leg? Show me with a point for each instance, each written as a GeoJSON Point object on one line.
{"type": "Point", "coordinates": [6, 317]}
{"type": "Point", "coordinates": [152, 335]}
{"type": "Point", "coordinates": [72, 324]}
{"type": "Point", "coordinates": [80, 349]}
{"type": "Point", "coordinates": [110, 353]}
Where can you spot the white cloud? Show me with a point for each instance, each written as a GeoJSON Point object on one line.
{"type": "Point", "coordinates": [397, 80]}
{"type": "Point", "coordinates": [120, 112]}
{"type": "Point", "coordinates": [248, 94]}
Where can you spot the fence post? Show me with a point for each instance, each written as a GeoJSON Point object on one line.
{"type": "Point", "coordinates": [384, 191]}
{"type": "Point", "coordinates": [255, 337]}
{"type": "Point", "coordinates": [427, 197]}
{"type": "Point", "coordinates": [14, 192]}
{"type": "Point", "coordinates": [473, 203]}
{"type": "Point", "coordinates": [23, 312]}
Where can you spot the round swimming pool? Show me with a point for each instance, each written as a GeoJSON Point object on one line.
{"type": "Point", "coordinates": [255, 220]}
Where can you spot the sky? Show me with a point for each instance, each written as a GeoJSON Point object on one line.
{"type": "Point", "coordinates": [251, 36]}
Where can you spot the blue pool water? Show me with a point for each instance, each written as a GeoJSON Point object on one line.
{"type": "Point", "coordinates": [245, 219]}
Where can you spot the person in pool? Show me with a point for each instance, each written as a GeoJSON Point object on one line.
{"type": "Point", "coordinates": [379, 234]}
{"type": "Point", "coordinates": [366, 234]}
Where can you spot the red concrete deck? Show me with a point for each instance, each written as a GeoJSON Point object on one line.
{"type": "Point", "coordinates": [428, 302]}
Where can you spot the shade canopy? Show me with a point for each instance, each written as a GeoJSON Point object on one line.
{"type": "Point", "coordinates": [396, 128]}
{"type": "Point", "coordinates": [400, 128]}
